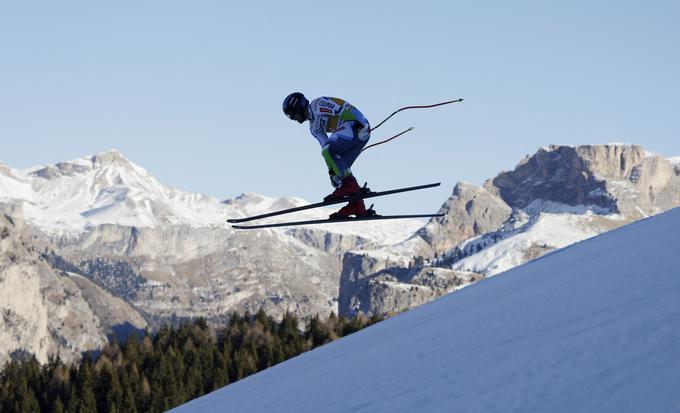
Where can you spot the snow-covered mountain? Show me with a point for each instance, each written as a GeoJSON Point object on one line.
{"type": "Point", "coordinates": [110, 189]}
{"type": "Point", "coordinates": [103, 189]}
{"type": "Point", "coordinates": [589, 328]}
{"type": "Point", "coordinates": [558, 196]}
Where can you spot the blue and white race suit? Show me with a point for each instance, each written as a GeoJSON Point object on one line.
{"type": "Point", "coordinates": [349, 131]}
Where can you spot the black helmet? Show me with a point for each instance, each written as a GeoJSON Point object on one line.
{"type": "Point", "coordinates": [295, 106]}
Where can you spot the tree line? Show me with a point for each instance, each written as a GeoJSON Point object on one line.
{"type": "Point", "coordinates": [155, 372]}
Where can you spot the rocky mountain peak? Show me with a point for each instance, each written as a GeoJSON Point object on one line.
{"type": "Point", "coordinates": [604, 177]}
{"type": "Point", "coordinates": [112, 156]}
{"type": "Point", "coordinates": [111, 161]}
{"type": "Point", "coordinates": [470, 211]}
{"type": "Point", "coordinates": [246, 198]}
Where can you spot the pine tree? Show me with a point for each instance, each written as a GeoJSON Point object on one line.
{"type": "Point", "coordinates": [28, 402]}
{"type": "Point", "coordinates": [127, 402]}
{"type": "Point", "coordinates": [86, 395]}
{"type": "Point", "coordinates": [143, 396]}
{"type": "Point", "coordinates": [317, 332]}
{"type": "Point", "coordinates": [58, 406]}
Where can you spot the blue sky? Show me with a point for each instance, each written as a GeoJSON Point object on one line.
{"type": "Point", "coordinates": [192, 91]}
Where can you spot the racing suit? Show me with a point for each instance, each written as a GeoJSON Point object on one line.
{"type": "Point", "coordinates": [349, 131]}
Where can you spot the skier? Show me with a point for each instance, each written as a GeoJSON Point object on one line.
{"type": "Point", "coordinates": [349, 131]}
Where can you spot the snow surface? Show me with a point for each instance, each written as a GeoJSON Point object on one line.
{"type": "Point", "coordinates": [548, 231]}
{"type": "Point", "coordinates": [592, 327]}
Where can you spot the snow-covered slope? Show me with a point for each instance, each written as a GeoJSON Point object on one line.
{"type": "Point", "coordinates": [545, 232]}
{"type": "Point", "coordinates": [592, 327]}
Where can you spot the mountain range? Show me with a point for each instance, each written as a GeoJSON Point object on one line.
{"type": "Point", "coordinates": [138, 253]}
{"type": "Point", "coordinates": [97, 246]}
{"type": "Point", "coordinates": [558, 196]}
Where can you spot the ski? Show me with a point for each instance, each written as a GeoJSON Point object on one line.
{"type": "Point", "coordinates": [364, 195]}
{"type": "Point", "coordinates": [334, 220]}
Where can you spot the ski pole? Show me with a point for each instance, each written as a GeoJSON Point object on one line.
{"type": "Point", "coordinates": [411, 128]}
{"type": "Point", "coordinates": [387, 140]}
{"type": "Point", "coordinates": [415, 107]}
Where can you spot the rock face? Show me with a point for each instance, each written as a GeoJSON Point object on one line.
{"type": "Point", "coordinates": [177, 272]}
{"type": "Point", "coordinates": [45, 311]}
{"type": "Point", "coordinates": [394, 290]}
{"type": "Point", "coordinates": [614, 178]}
{"type": "Point", "coordinates": [558, 196]}
{"type": "Point", "coordinates": [471, 211]}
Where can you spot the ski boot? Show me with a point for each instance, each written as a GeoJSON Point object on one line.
{"type": "Point", "coordinates": [356, 208]}
{"type": "Point", "coordinates": [348, 187]}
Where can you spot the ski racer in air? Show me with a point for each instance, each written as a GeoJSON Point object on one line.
{"type": "Point", "coordinates": [349, 132]}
